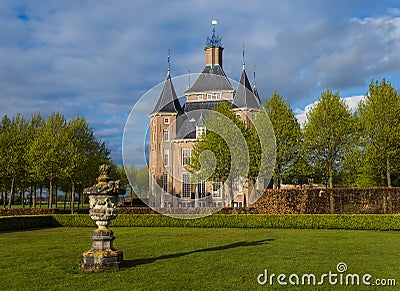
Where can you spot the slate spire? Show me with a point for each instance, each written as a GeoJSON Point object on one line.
{"type": "Point", "coordinates": [244, 97]}
{"type": "Point", "coordinates": [168, 101]}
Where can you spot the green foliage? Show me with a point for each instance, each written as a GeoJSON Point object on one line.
{"type": "Point", "coordinates": [48, 151]}
{"type": "Point", "coordinates": [297, 221]}
{"type": "Point", "coordinates": [138, 178]}
{"type": "Point", "coordinates": [222, 153]}
{"type": "Point", "coordinates": [328, 132]}
{"type": "Point", "coordinates": [380, 120]}
{"type": "Point", "coordinates": [287, 135]}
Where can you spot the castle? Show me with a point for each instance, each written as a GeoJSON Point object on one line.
{"type": "Point", "coordinates": [175, 129]}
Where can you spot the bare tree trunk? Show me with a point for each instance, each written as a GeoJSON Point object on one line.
{"type": "Point", "coordinates": [12, 192]}
{"type": "Point", "coordinates": [34, 195]}
{"type": "Point", "coordinates": [56, 196]}
{"type": "Point", "coordinates": [51, 194]}
{"type": "Point", "coordinates": [389, 181]}
{"type": "Point", "coordinates": [4, 198]}
{"type": "Point", "coordinates": [22, 197]}
{"type": "Point", "coordinates": [330, 177]}
{"type": "Point", "coordinates": [72, 197]}
{"type": "Point", "coordinates": [40, 196]}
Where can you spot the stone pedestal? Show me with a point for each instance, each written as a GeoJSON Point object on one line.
{"type": "Point", "coordinates": [103, 199]}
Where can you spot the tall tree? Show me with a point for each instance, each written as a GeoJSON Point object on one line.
{"type": "Point", "coordinates": [328, 133]}
{"type": "Point", "coordinates": [33, 173]}
{"type": "Point", "coordinates": [46, 152]}
{"type": "Point", "coordinates": [380, 119]}
{"type": "Point", "coordinates": [222, 153]}
{"type": "Point", "coordinates": [4, 129]}
{"type": "Point", "coordinates": [287, 135]}
{"type": "Point", "coordinates": [15, 144]}
{"type": "Point", "coordinates": [142, 180]}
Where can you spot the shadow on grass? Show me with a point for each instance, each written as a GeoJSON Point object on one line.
{"type": "Point", "coordinates": [134, 263]}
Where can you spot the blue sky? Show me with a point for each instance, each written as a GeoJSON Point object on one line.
{"type": "Point", "coordinates": [97, 58]}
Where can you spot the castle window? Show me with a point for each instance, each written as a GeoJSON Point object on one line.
{"type": "Point", "coordinates": [165, 182]}
{"type": "Point", "coordinates": [200, 130]}
{"type": "Point", "coordinates": [185, 185]}
{"type": "Point", "coordinates": [201, 188]}
{"type": "Point", "coordinates": [166, 157]}
{"type": "Point", "coordinates": [217, 189]}
{"type": "Point", "coordinates": [200, 97]}
{"type": "Point", "coordinates": [166, 135]}
{"type": "Point", "coordinates": [209, 97]}
{"type": "Point", "coordinates": [166, 120]}
{"type": "Point", "coordinates": [185, 157]}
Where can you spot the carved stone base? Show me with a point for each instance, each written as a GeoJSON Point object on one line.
{"type": "Point", "coordinates": [102, 255]}
{"type": "Point", "coordinates": [93, 261]}
{"type": "Point", "coordinates": [102, 240]}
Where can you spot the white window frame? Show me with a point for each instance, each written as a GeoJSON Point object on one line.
{"type": "Point", "coordinates": [165, 182]}
{"type": "Point", "coordinates": [199, 131]}
{"type": "Point", "coordinates": [218, 192]}
{"type": "Point", "coordinates": [166, 135]}
{"type": "Point", "coordinates": [166, 157]}
{"type": "Point", "coordinates": [166, 120]}
{"type": "Point", "coordinates": [218, 96]}
{"type": "Point", "coordinates": [186, 157]}
{"type": "Point", "coordinates": [186, 185]}
{"type": "Point", "coordinates": [200, 97]}
{"type": "Point", "coordinates": [209, 96]}
{"type": "Point", "coordinates": [201, 188]}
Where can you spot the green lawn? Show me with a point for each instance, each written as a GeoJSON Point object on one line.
{"type": "Point", "coordinates": [195, 258]}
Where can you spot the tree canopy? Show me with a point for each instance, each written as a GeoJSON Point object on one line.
{"type": "Point", "coordinates": [47, 151]}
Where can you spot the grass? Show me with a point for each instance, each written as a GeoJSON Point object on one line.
{"type": "Point", "coordinates": [194, 258]}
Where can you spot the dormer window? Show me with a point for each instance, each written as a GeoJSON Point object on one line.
{"type": "Point", "coordinates": [200, 97]}
{"type": "Point", "coordinates": [200, 129]}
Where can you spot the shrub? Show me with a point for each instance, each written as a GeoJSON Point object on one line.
{"type": "Point", "coordinates": [26, 222]}
{"type": "Point", "coordinates": [297, 221]}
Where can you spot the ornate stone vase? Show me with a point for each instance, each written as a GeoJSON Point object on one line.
{"type": "Point", "coordinates": [103, 208]}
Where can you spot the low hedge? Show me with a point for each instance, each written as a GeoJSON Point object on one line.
{"type": "Point", "coordinates": [26, 222]}
{"type": "Point", "coordinates": [298, 221]}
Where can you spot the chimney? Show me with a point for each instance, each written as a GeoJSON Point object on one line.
{"type": "Point", "coordinates": [213, 48]}
{"type": "Point", "coordinates": [213, 55]}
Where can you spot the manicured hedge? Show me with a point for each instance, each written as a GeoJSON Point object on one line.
{"type": "Point", "coordinates": [298, 221]}
{"type": "Point", "coordinates": [26, 222]}
{"type": "Point", "coordinates": [368, 222]}
{"type": "Point", "coordinates": [330, 201]}
{"type": "Point", "coordinates": [27, 211]}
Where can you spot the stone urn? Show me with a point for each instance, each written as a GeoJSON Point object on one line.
{"type": "Point", "coordinates": [103, 199]}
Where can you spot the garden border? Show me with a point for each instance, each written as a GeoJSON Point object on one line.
{"type": "Point", "coordinates": [382, 222]}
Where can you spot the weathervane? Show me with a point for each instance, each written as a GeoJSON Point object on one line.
{"type": "Point", "coordinates": [243, 63]}
{"type": "Point", "coordinates": [169, 52]}
{"type": "Point", "coordinates": [214, 40]}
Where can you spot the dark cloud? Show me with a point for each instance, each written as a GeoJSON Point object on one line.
{"type": "Point", "coordinates": [97, 58]}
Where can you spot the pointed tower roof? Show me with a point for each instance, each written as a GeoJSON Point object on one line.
{"type": "Point", "coordinates": [212, 79]}
{"type": "Point", "coordinates": [255, 91]}
{"type": "Point", "coordinates": [168, 101]}
{"type": "Point", "coordinates": [244, 97]}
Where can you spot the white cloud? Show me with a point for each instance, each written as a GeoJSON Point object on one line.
{"type": "Point", "coordinates": [352, 103]}
{"type": "Point", "coordinates": [95, 59]}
